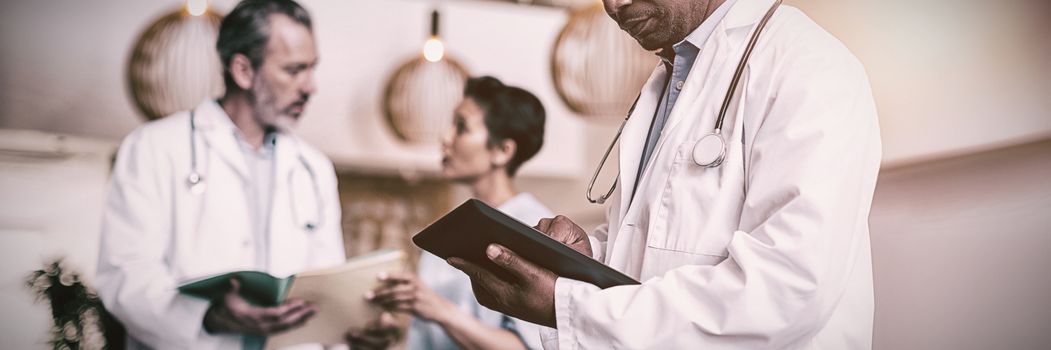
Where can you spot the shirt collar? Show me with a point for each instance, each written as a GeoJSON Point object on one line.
{"type": "Point", "coordinates": [267, 149]}
{"type": "Point", "coordinates": [693, 42]}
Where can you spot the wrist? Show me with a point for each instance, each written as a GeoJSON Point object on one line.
{"type": "Point", "coordinates": [551, 319]}
{"type": "Point", "coordinates": [447, 313]}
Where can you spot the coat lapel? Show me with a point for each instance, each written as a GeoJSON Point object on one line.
{"type": "Point", "coordinates": [281, 202]}
{"type": "Point", "coordinates": [714, 67]}
{"type": "Point", "coordinates": [703, 93]}
{"type": "Point", "coordinates": [218, 131]}
{"type": "Point", "coordinates": [634, 136]}
{"type": "Point", "coordinates": [746, 13]}
{"type": "Point", "coordinates": [286, 160]}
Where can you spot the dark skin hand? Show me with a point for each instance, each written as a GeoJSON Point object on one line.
{"type": "Point", "coordinates": [234, 314]}
{"type": "Point", "coordinates": [530, 294]}
{"type": "Point", "coordinates": [566, 231]}
{"type": "Point", "coordinates": [379, 334]}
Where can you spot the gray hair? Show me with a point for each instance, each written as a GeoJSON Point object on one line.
{"type": "Point", "coordinates": [246, 31]}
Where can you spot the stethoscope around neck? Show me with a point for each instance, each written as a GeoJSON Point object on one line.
{"type": "Point", "coordinates": [197, 185]}
{"type": "Point", "coordinates": [710, 150]}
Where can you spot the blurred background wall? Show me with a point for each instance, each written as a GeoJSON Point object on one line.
{"type": "Point", "coordinates": [959, 224]}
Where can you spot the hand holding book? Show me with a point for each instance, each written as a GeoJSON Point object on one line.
{"type": "Point", "coordinates": [405, 293]}
{"type": "Point", "coordinates": [233, 314]}
{"type": "Point", "coordinates": [316, 306]}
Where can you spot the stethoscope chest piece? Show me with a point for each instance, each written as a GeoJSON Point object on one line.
{"type": "Point", "coordinates": [196, 183]}
{"type": "Point", "coordinates": [710, 150]}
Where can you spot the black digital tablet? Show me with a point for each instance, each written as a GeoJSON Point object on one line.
{"type": "Point", "coordinates": [467, 230]}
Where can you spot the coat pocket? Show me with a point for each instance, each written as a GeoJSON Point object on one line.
{"type": "Point", "coordinates": [700, 207]}
{"type": "Point", "coordinates": [659, 261]}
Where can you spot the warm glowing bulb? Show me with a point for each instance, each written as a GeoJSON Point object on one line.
{"type": "Point", "coordinates": [433, 50]}
{"type": "Point", "coordinates": [196, 7]}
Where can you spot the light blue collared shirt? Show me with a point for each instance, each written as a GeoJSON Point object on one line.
{"type": "Point", "coordinates": [259, 198]}
{"type": "Point", "coordinates": [678, 69]}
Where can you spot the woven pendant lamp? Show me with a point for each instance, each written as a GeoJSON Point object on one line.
{"type": "Point", "coordinates": [174, 65]}
{"type": "Point", "coordinates": [597, 68]}
{"type": "Point", "coordinates": [422, 94]}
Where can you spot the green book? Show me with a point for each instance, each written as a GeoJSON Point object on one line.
{"type": "Point", "coordinates": [336, 292]}
{"type": "Point", "coordinates": [257, 287]}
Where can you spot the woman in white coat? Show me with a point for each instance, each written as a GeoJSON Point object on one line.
{"type": "Point", "coordinates": [769, 249]}
{"type": "Point", "coordinates": [218, 189]}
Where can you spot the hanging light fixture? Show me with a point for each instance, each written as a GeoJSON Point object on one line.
{"type": "Point", "coordinates": [597, 68]}
{"type": "Point", "coordinates": [422, 94]}
{"type": "Point", "coordinates": [433, 48]}
{"type": "Point", "coordinates": [196, 7]}
{"type": "Point", "coordinates": [174, 64]}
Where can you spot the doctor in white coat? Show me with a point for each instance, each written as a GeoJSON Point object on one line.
{"type": "Point", "coordinates": [219, 189]}
{"type": "Point", "coordinates": [768, 249]}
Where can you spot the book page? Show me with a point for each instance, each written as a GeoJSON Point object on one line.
{"type": "Point", "coordinates": [338, 295]}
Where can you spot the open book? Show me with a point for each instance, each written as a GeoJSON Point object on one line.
{"type": "Point", "coordinates": [336, 292]}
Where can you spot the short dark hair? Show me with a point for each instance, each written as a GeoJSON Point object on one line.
{"type": "Point", "coordinates": [246, 30]}
{"type": "Point", "coordinates": [510, 113]}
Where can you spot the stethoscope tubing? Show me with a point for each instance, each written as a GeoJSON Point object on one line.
{"type": "Point", "coordinates": [741, 65]}
{"type": "Point", "coordinates": [196, 182]}
{"type": "Point", "coordinates": [717, 132]}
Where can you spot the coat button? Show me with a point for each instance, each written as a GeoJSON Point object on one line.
{"type": "Point", "coordinates": [679, 84]}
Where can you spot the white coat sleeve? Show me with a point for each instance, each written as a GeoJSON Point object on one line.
{"type": "Point", "coordinates": [597, 238]}
{"type": "Point", "coordinates": [134, 283]}
{"type": "Point", "coordinates": [813, 164]}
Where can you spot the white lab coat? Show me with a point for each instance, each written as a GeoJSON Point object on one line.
{"type": "Point", "coordinates": [771, 249]}
{"type": "Point", "coordinates": [156, 233]}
